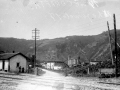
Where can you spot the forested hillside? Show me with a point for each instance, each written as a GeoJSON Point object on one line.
{"type": "Point", "coordinates": [94, 47]}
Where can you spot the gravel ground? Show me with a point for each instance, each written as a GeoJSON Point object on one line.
{"type": "Point", "coordinates": [6, 85]}
{"type": "Point", "coordinates": [52, 81]}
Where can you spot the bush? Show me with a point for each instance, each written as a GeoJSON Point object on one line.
{"type": "Point", "coordinates": [105, 64]}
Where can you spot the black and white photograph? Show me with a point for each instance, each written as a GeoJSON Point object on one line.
{"type": "Point", "coordinates": [59, 44]}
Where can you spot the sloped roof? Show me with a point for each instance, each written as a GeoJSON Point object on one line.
{"type": "Point", "coordinates": [7, 56]}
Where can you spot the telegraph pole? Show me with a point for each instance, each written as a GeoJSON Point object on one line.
{"type": "Point", "coordinates": [110, 43]}
{"type": "Point", "coordinates": [35, 36]}
{"type": "Point", "coordinates": [116, 66]}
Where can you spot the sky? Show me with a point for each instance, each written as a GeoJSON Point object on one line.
{"type": "Point", "coordinates": [56, 18]}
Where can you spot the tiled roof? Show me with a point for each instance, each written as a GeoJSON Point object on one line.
{"type": "Point", "coordinates": [7, 56]}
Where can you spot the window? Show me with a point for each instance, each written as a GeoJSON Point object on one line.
{"type": "Point", "coordinates": [18, 64]}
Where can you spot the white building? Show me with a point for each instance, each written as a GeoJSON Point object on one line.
{"type": "Point", "coordinates": [12, 61]}
{"type": "Point", "coordinates": [50, 65]}
{"type": "Point", "coordinates": [94, 62]}
{"type": "Point", "coordinates": [72, 62]}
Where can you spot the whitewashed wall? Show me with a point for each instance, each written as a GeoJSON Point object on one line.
{"type": "Point", "coordinates": [48, 65]}
{"type": "Point", "coordinates": [52, 65]}
{"type": "Point", "coordinates": [6, 65]}
{"type": "Point", "coordinates": [18, 59]}
{"type": "Point", "coordinates": [0, 64]}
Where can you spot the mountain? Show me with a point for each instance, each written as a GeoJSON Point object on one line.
{"type": "Point", "coordinates": [100, 48]}
{"type": "Point", "coordinates": [13, 44]}
{"type": "Point", "coordinates": [95, 47]}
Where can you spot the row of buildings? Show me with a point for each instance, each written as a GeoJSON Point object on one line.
{"type": "Point", "coordinates": [12, 61]}
{"type": "Point", "coordinates": [75, 61]}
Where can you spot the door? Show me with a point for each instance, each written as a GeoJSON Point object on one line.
{"type": "Point", "coordinates": [6, 65]}
{"type": "Point", "coordinates": [3, 66]}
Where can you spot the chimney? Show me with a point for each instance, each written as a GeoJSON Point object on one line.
{"type": "Point", "coordinates": [13, 51]}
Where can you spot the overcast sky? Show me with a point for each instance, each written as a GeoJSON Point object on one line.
{"type": "Point", "coordinates": [56, 18]}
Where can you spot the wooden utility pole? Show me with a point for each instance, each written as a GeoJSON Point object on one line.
{"type": "Point", "coordinates": [114, 41]}
{"type": "Point", "coordinates": [35, 36]}
{"type": "Point", "coordinates": [110, 43]}
{"type": "Point", "coordinates": [116, 66]}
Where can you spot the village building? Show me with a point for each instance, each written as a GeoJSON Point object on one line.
{"type": "Point", "coordinates": [54, 65]}
{"type": "Point", "coordinates": [13, 61]}
{"type": "Point", "coordinates": [72, 62]}
{"type": "Point", "coordinates": [94, 62]}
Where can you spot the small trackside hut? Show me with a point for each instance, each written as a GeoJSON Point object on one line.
{"type": "Point", "coordinates": [13, 61]}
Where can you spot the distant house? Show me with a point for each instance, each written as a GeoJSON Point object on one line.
{"type": "Point", "coordinates": [72, 62]}
{"type": "Point", "coordinates": [10, 61]}
{"type": "Point", "coordinates": [94, 62]}
{"type": "Point", "coordinates": [107, 70]}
